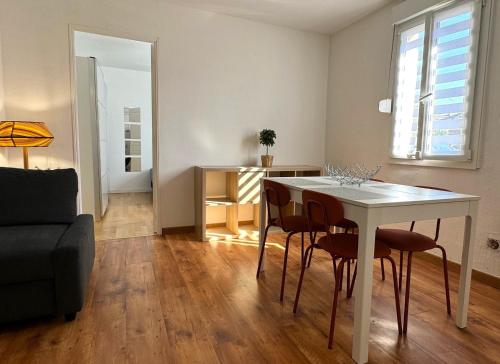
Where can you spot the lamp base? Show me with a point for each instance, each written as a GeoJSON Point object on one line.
{"type": "Point", "coordinates": [25, 158]}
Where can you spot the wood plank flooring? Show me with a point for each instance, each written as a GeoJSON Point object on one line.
{"type": "Point", "coordinates": [128, 215]}
{"type": "Point", "coordinates": [174, 300]}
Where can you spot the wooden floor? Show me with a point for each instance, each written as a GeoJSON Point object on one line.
{"type": "Point", "coordinates": [156, 300]}
{"type": "Point", "coordinates": [128, 215]}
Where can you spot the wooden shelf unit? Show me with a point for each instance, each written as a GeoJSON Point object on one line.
{"type": "Point", "coordinates": [227, 199]}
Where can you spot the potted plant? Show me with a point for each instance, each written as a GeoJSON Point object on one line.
{"type": "Point", "coordinates": [266, 138]}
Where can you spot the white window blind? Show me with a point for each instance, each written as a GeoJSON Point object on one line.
{"type": "Point", "coordinates": [451, 68]}
{"type": "Point", "coordinates": [434, 83]}
{"type": "Point", "coordinates": [409, 80]}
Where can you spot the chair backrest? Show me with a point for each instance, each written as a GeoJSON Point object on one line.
{"type": "Point", "coordinates": [438, 221]}
{"type": "Point", "coordinates": [31, 196]}
{"type": "Point", "coordinates": [276, 195]}
{"type": "Point", "coordinates": [322, 210]}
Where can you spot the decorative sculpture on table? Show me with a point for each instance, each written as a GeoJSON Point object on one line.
{"type": "Point", "coordinates": [351, 175]}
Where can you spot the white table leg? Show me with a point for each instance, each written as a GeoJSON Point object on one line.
{"type": "Point", "coordinates": [362, 309]}
{"type": "Point", "coordinates": [262, 224]}
{"type": "Point", "coordinates": [466, 266]}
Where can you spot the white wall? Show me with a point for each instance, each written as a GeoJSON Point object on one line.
{"type": "Point", "coordinates": [221, 79]}
{"type": "Point", "coordinates": [357, 132]}
{"type": "Point", "coordinates": [229, 79]}
{"type": "Point", "coordinates": [128, 88]}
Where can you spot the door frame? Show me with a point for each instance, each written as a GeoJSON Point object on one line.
{"type": "Point", "coordinates": [154, 107]}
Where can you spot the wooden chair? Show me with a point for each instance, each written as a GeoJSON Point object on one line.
{"type": "Point", "coordinates": [350, 226]}
{"type": "Point", "coordinates": [410, 242]}
{"type": "Point", "coordinates": [325, 211]}
{"type": "Point", "coordinates": [278, 195]}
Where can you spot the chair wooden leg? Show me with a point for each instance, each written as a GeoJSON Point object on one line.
{"type": "Point", "coordinates": [446, 283]}
{"type": "Point", "coordinates": [301, 247]}
{"type": "Point", "coordinates": [351, 288]}
{"type": "Point", "coordinates": [348, 276]}
{"type": "Point", "coordinates": [262, 251]}
{"type": "Point", "coordinates": [334, 305]}
{"type": "Point", "coordinates": [407, 292]}
{"type": "Point", "coordinates": [382, 268]}
{"type": "Point", "coordinates": [341, 276]}
{"type": "Point", "coordinates": [396, 292]}
{"type": "Point", "coordinates": [401, 254]}
{"type": "Point", "coordinates": [310, 258]}
{"type": "Point", "coordinates": [285, 259]}
{"type": "Point", "coordinates": [313, 240]}
{"type": "Point", "coordinates": [299, 285]}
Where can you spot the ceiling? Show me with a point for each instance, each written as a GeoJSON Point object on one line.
{"type": "Point", "coordinates": [323, 16]}
{"type": "Point", "coordinates": [114, 52]}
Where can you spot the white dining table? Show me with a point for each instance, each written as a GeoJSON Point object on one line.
{"type": "Point", "coordinates": [374, 204]}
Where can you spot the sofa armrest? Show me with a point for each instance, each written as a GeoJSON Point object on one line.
{"type": "Point", "coordinates": [73, 259]}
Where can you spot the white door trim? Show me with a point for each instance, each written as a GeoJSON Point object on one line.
{"type": "Point", "coordinates": [154, 96]}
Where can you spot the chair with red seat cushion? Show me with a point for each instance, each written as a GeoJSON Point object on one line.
{"type": "Point", "coordinates": [325, 211]}
{"type": "Point", "coordinates": [350, 226]}
{"type": "Point", "coordinates": [278, 195]}
{"type": "Point", "coordinates": [411, 241]}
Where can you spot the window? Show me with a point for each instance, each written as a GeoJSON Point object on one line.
{"type": "Point", "coordinates": [434, 82]}
{"type": "Point", "coordinates": [132, 123]}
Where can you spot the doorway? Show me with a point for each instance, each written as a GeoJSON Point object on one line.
{"type": "Point", "coordinates": [115, 135]}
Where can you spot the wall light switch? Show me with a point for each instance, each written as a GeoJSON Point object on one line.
{"type": "Point", "coordinates": [385, 106]}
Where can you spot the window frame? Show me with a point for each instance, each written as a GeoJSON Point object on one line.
{"type": "Point", "coordinates": [477, 84]}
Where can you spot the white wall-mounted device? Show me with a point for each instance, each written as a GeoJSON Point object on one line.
{"type": "Point", "coordinates": [385, 106]}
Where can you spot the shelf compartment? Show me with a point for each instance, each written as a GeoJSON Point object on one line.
{"type": "Point", "coordinates": [249, 186]}
{"type": "Point", "coordinates": [225, 216]}
{"type": "Point", "coordinates": [222, 184]}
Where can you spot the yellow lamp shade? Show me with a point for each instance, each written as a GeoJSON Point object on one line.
{"type": "Point", "coordinates": [24, 134]}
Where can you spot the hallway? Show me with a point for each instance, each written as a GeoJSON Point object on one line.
{"type": "Point", "coordinates": [128, 215]}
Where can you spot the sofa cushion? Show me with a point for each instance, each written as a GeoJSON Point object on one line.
{"type": "Point", "coordinates": [31, 196]}
{"type": "Point", "coordinates": [25, 252]}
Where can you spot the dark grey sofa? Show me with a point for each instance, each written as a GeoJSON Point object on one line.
{"type": "Point", "coordinates": [46, 250]}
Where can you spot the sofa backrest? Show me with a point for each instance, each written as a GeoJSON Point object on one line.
{"type": "Point", "coordinates": [29, 196]}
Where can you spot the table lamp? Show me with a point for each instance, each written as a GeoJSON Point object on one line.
{"type": "Point", "coordinates": [24, 134]}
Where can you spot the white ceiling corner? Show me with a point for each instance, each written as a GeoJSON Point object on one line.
{"type": "Point", "coordinates": [322, 16]}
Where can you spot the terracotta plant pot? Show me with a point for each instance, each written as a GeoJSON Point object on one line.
{"type": "Point", "coordinates": [267, 160]}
